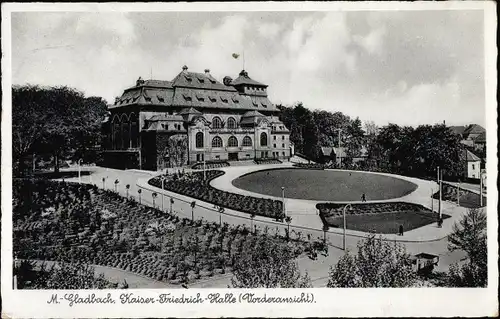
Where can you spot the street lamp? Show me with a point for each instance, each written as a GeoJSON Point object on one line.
{"type": "Point", "coordinates": [458, 194]}
{"type": "Point", "coordinates": [343, 213]}
{"type": "Point", "coordinates": [162, 193]}
{"type": "Point", "coordinates": [283, 200]}
{"type": "Point", "coordinates": [80, 171]}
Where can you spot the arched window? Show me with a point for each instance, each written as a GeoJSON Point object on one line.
{"type": "Point", "coordinates": [247, 141]}
{"type": "Point", "coordinates": [216, 122]}
{"type": "Point", "coordinates": [232, 142]}
{"type": "Point", "coordinates": [263, 139]}
{"type": "Point", "coordinates": [231, 123]}
{"type": "Point", "coordinates": [216, 142]}
{"type": "Point", "coordinates": [199, 140]}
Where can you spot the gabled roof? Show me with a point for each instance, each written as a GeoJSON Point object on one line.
{"type": "Point", "coordinates": [243, 78]}
{"type": "Point", "coordinates": [474, 129]}
{"type": "Point", "coordinates": [199, 81]}
{"type": "Point", "coordinates": [164, 117]}
{"type": "Point", "coordinates": [251, 114]}
{"type": "Point", "coordinates": [339, 151]}
{"type": "Point", "coordinates": [189, 111]}
{"type": "Point", "coordinates": [470, 157]}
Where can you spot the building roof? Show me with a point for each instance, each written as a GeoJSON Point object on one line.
{"type": "Point", "coordinates": [189, 111]}
{"type": "Point", "coordinates": [459, 130]}
{"type": "Point", "coordinates": [470, 157]}
{"type": "Point", "coordinates": [326, 150]}
{"type": "Point", "coordinates": [194, 90]}
{"type": "Point", "coordinates": [243, 78]}
{"type": "Point", "coordinates": [165, 117]}
{"type": "Point", "coordinates": [339, 151]}
{"type": "Point", "coordinates": [474, 129]}
{"type": "Point", "coordinates": [481, 138]}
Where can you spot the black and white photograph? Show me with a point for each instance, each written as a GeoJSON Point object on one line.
{"type": "Point", "coordinates": [196, 148]}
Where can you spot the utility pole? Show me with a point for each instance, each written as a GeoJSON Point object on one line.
{"type": "Point", "coordinates": [340, 152]}
{"type": "Point", "coordinates": [458, 194]}
{"type": "Point", "coordinates": [440, 191]}
{"type": "Point", "coordinates": [432, 200]}
{"type": "Point", "coordinates": [480, 188]}
{"type": "Point", "coordinates": [283, 199]}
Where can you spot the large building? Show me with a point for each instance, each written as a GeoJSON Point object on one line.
{"type": "Point", "coordinates": [193, 118]}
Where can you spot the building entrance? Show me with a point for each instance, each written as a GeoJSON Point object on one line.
{"type": "Point", "coordinates": [232, 156]}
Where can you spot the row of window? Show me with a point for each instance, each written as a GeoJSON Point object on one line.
{"type": "Point", "coordinates": [177, 127]}
{"type": "Point", "coordinates": [217, 123]}
{"type": "Point", "coordinates": [282, 137]}
{"type": "Point", "coordinates": [231, 142]}
{"type": "Point", "coordinates": [282, 145]}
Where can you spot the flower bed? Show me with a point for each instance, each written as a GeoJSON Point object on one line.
{"type": "Point", "coordinates": [81, 223]}
{"type": "Point", "coordinates": [267, 161]}
{"type": "Point", "coordinates": [468, 198]}
{"type": "Point", "coordinates": [377, 217]}
{"type": "Point", "coordinates": [311, 166]}
{"type": "Point", "coordinates": [210, 165]}
{"type": "Point", "coordinates": [193, 185]}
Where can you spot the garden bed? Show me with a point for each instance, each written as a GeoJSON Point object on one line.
{"type": "Point", "coordinates": [263, 161]}
{"type": "Point", "coordinates": [210, 165]}
{"type": "Point", "coordinates": [468, 198]}
{"type": "Point", "coordinates": [193, 185]}
{"type": "Point", "coordinates": [382, 218]}
{"type": "Point", "coordinates": [80, 223]}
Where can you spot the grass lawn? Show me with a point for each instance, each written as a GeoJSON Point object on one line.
{"type": "Point", "coordinates": [385, 223]}
{"type": "Point", "coordinates": [324, 185]}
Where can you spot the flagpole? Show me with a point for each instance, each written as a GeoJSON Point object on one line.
{"type": "Point", "coordinates": [243, 59]}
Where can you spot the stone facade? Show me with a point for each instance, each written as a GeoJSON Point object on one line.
{"type": "Point", "coordinates": [194, 118]}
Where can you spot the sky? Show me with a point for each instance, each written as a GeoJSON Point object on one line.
{"type": "Point", "coordinates": [403, 67]}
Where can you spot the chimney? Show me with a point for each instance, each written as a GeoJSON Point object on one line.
{"type": "Point", "coordinates": [184, 68]}
{"type": "Point", "coordinates": [207, 71]}
{"type": "Point", "coordinates": [117, 99]}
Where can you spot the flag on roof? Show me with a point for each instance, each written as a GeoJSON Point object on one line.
{"type": "Point", "coordinates": [236, 55]}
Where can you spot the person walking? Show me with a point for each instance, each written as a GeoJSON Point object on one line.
{"type": "Point", "coordinates": [400, 230]}
{"type": "Point", "coordinates": [363, 197]}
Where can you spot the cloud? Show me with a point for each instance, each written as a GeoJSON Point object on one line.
{"type": "Point", "coordinates": [385, 66]}
{"type": "Point", "coordinates": [269, 30]}
{"type": "Point", "coordinates": [373, 42]}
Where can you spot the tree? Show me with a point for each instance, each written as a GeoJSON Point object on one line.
{"type": "Point", "coordinates": [469, 235]}
{"type": "Point", "coordinates": [269, 265]}
{"type": "Point", "coordinates": [354, 139]}
{"type": "Point", "coordinates": [371, 128]}
{"type": "Point", "coordinates": [127, 187]}
{"type": "Point", "coordinates": [377, 264]}
{"type": "Point", "coordinates": [59, 121]}
{"type": "Point", "coordinates": [193, 205]}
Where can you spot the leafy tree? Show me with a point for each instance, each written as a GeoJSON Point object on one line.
{"type": "Point", "coordinates": [59, 121]}
{"type": "Point", "coordinates": [354, 139]}
{"type": "Point", "coordinates": [371, 128]}
{"type": "Point", "coordinates": [269, 265]}
{"type": "Point", "coordinates": [377, 264]}
{"type": "Point", "coordinates": [469, 235]}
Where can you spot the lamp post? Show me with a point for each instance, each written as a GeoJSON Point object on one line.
{"type": "Point", "coordinates": [432, 200]}
{"type": "Point", "coordinates": [440, 183]}
{"type": "Point", "coordinates": [458, 194]}
{"type": "Point", "coordinates": [343, 213]}
{"type": "Point", "coordinates": [80, 171]}
{"type": "Point", "coordinates": [283, 200]}
{"type": "Point", "coordinates": [162, 194]}
{"type": "Point", "coordinates": [480, 188]}
{"type": "Point", "coordinates": [340, 154]}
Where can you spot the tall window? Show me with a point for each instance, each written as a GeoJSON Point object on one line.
{"type": "Point", "coordinates": [247, 141]}
{"type": "Point", "coordinates": [263, 139]}
{"type": "Point", "coordinates": [216, 142]}
{"type": "Point", "coordinates": [216, 122]}
{"type": "Point", "coordinates": [231, 123]}
{"type": "Point", "coordinates": [199, 140]}
{"type": "Point", "coordinates": [232, 142]}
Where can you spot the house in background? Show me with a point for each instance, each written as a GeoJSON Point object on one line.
{"type": "Point", "coordinates": [470, 134]}
{"type": "Point", "coordinates": [472, 165]}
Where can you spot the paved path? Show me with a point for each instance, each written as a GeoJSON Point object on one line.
{"type": "Point", "coordinates": [318, 270]}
